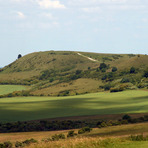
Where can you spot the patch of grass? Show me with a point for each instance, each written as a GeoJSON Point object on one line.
{"type": "Point", "coordinates": [33, 108]}
{"type": "Point", "coordinates": [5, 89]}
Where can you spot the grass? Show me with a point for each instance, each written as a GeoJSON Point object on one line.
{"type": "Point", "coordinates": [33, 108]}
{"type": "Point", "coordinates": [53, 72]}
{"type": "Point", "coordinates": [5, 89]}
{"type": "Point", "coordinates": [92, 143]}
{"type": "Point", "coordinates": [78, 86]}
{"type": "Point", "coordinates": [88, 140]}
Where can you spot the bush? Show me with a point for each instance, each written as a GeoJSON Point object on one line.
{"type": "Point", "coordinates": [114, 69]}
{"type": "Point", "coordinates": [103, 66]}
{"type": "Point", "coordinates": [125, 80]}
{"type": "Point", "coordinates": [7, 144]}
{"type": "Point", "coordinates": [19, 144]}
{"type": "Point", "coordinates": [104, 77]}
{"type": "Point", "coordinates": [126, 117]}
{"type": "Point", "coordinates": [84, 130]}
{"type": "Point", "coordinates": [2, 145]}
{"type": "Point", "coordinates": [71, 134]}
{"type": "Point", "coordinates": [107, 87]}
{"type": "Point", "coordinates": [29, 141]}
{"type": "Point", "coordinates": [57, 137]}
{"type": "Point", "coordinates": [145, 74]}
{"type": "Point", "coordinates": [102, 124]}
{"type": "Point", "coordinates": [132, 70]}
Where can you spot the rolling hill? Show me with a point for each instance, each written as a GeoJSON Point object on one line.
{"type": "Point", "coordinates": [61, 73]}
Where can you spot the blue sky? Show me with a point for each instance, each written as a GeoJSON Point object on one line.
{"type": "Point", "coordinates": [103, 26]}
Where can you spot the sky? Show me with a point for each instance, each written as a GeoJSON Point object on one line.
{"type": "Point", "coordinates": [102, 26]}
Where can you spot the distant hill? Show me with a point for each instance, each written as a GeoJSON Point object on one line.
{"type": "Point", "coordinates": [70, 73]}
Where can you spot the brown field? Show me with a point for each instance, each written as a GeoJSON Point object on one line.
{"type": "Point", "coordinates": [96, 135]}
{"type": "Point", "coordinates": [95, 117]}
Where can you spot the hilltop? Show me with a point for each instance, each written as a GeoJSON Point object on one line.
{"type": "Point", "coordinates": [69, 73]}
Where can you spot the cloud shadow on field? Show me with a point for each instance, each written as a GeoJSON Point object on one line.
{"type": "Point", "coordinates": [68, 107]}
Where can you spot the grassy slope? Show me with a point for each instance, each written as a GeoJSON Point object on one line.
{"type": "Point", "coordinates": [5, 89]}
{"type": "Point", "coordinates": [28, 69]}
{"type": "Point", "coordinates": [80, 86]}
{"type": "Point", "coordinates": [31, 108]}
{"type": "Point", "coordinates": [33, 64]}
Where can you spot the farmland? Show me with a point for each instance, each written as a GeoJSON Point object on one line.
{"type": "Point", "coordinates": [5, 89]}
{"type": "Point", "coordinates": [33, 108]}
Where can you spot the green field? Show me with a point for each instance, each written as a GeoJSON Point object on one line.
{"type": "Point", "coordinates": [5, 89]}
{"type": "Point", "coordinates": [32, 108]}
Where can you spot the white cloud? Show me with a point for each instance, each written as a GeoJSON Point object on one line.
{"type": "Point", "coordinates": [50, 4]}
{"type": "Point", "coordinates": [20, 15]}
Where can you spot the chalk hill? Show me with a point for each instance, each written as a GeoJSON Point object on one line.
{"type": "Point", "coordinates": [70, 73]}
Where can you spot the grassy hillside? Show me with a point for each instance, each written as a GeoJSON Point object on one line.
{"type": "Point", "coordinates": [33, 108]}
{"type": "Point", "coordinates": [60, 73]}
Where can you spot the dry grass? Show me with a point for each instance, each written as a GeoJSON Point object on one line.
{"type": "Point", "coordinates": [78, 86]}
{"type": "Point", "coordinates": [96, 133]}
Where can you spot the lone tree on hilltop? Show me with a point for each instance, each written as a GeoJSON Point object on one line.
{"type": "Point", "coordinates": [19, 56]}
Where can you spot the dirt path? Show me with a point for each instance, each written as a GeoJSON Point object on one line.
{"type": "Point", "coordinates": [91, 59]}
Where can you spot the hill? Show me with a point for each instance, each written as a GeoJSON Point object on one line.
{"type": "Point", "coordinates": [68, 73]}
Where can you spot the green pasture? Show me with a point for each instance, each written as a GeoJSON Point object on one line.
{"type": "Point", "coordinates": [5, 89]}
{"type": "Point", "coordinates": [31, 108]}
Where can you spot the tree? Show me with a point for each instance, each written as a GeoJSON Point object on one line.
{"type": "Point", "coordinates": [19, 56]}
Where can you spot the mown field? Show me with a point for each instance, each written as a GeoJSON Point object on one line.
{"type": "Point", "coordinates": [33, 108]}
{"type": "Point", "coordinates": [5, 89]}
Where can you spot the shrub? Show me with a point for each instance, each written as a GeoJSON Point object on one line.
{"type": "Point", "coordinates": [57, 137]}
{"type": "Point", "coordinates": [2, 145]}
{"type": "Point", "coordinates": [132, 70]}
{"type": "Point", "coordinates": [84, 130]}
{"type": "Point", "coordinates": [124, 122]}
{"type": "Point", "coordinates": [103, 70]}
{"type": "Point", "coordinates": [71, 134]}
{"type": "Point", "coordinates": [19, 144]}
{"type": "Point", "coordinates": [107, 87]}
{"type": "Point", "coordinates": [103, 66]}
{"type": "Point", "coordinates": [78, 72]}
{"type": "Point", "coordinates": [102, 124]}
{"type": "Point", "coordinates": [104, 77]}
{"type": "Point", "coordinates": [145, 74]}
{"type": "Point", "coordinates": [114, 69]}
{"type": "Point", "coordinates": [126, 117]}
{"type": "Point", "coordinates": [29, 141]}
{"type": "Point", "coordinates": [125, 80]}
{"type": "Point", "coordinates": [61, 136]}
{"type": "Point", "coordinates": [7, 144]}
